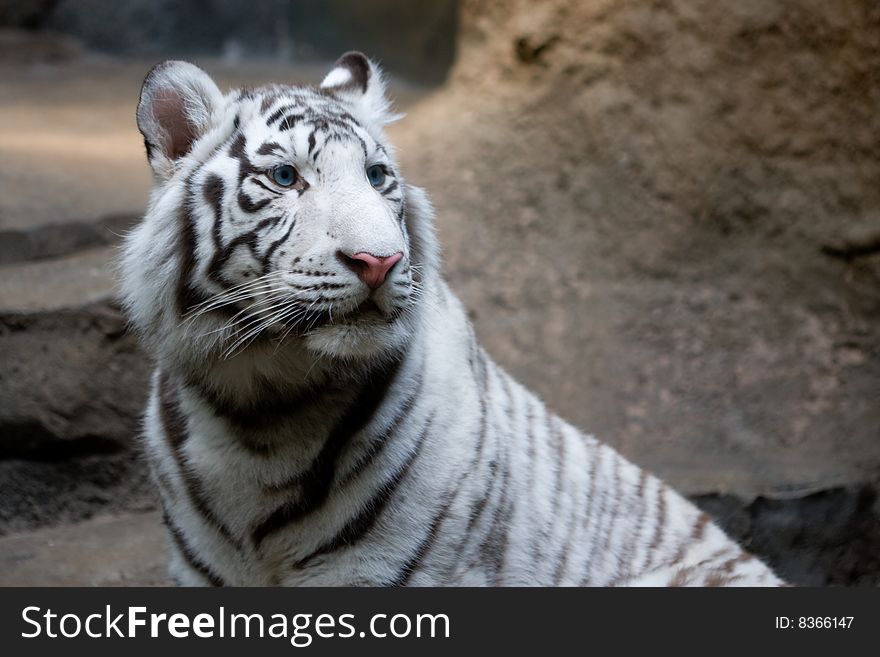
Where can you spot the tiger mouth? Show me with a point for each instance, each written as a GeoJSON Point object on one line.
{"type": "Point", "coordinates": [368, 307]}
{"type": "Point", "coordinates": [365, 315]}
{"type": "Point", "coordinates": [367, 312]}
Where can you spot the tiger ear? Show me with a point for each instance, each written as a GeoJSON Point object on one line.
{"type": "Point", "coordinates": [177, 102]}
{"type": "Point", "coordinates": [357, 81]}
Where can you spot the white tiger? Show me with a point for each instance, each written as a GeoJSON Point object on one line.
{"type": "Point", "coordinates": [321, 412]}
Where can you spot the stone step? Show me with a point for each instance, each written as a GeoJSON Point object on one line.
{"type": "Point", "coordinates": [58, 240]}
{"type": "Point", "coordinates": [829, 538]}
{"type": "Point", "coordinates": [57, 284]}
{"type": "Point", "coordinates": [117, 550]}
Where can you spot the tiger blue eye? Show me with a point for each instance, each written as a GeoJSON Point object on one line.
{"type": "Point", "coordinates": [284, 175]}
{"type": "Point", "coordinates": [376, 175]}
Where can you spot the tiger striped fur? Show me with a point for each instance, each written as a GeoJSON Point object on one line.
{"type": "Point", "coordinates": [306, 429]}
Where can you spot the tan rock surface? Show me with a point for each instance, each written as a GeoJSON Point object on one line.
{"type": "Point", "coordinates": [120, 550]}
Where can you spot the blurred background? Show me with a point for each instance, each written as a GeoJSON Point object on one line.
{"type": "Point", "coordinates": [663, 216]}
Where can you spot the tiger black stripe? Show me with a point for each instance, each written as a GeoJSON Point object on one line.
{"type": "Point", "coordinates": [277, 114]}
{"type": "Point", "coordinates": [481, 380]}
{"type": "Point", "coordinates": [574, 526]}
{"type": "Point", "coordinates": [265, 187]}
{"type": "Point", "coordinates": [538, 541]}
{"type": "Point", "coordinates": [247, 204]}
{"type": "Point", "coordinates": [654, 545]}
{"type": "Point", "coordinates": [270, 148]}
{"type": "Point", "coordinates": [213, 191]}
{"type": "Point", "coordinates": [378, 442]}
{"type": "Point", "coordinates": [316, 481]}
{"type": "Point", "coordinates": [268, 408]}
{"type": "Point", "coordinates": [356, 528]}
{"type": "Point", "coordinates": [187, 296]}
{"type": "Point", "coordinates": [480, 504]}
{"type": "Point", "coordinates": [422, 550]}
{"type": "Point", "coordinates": [684, 574]}
{"type": "Point", "coordinates": [174, 424]}
{"type": "Point", "coordinates": [494, 544]}
{"type": "Point", "coordinates": [650, 505]}
{"type": "Point", "coordinates": [637, 529]}
{"type": "Point", "coordinates": [189, 556]}
{"type": "Point", "coordinates": [290, 121]}
{"type": "Point", "coordinates": [277, 243]}
{"type": "Point", "coordinates": [597, 533]}
{"type": "Point", "coordinates": [249, 240]}
{"type": "Point", "coordinates": [268, 101]}
{"type": "Point", "coordinates": [412, 565]}
{"type": "Point", "coordinates": [589, 505]}
{"type": "Point", "coordinates": [696, 536]}
{"type": "Point", "coordinates": [608, 529]}
{"type": "Point", "coordinates": [558, 446]}
{"type": "Point", "coordinates": [559, 464]}
{"type": "Point", "coordinates": [627, 555]}
{"type": "Point", "coordinates": [237, 151]}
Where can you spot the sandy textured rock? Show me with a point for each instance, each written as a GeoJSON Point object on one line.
{"type": "Point", "coordinates": [124, 550]}
{"type": "Point", "coordinates": [633, 199]}
{"type": "Point", "coordinates": [71, 381]}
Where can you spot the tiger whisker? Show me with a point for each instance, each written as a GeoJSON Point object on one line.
{"type": "Point", "coordinates": [251, 334]}
{"type": "Point", "coordinates": [242, 286]}
{"type": "Point", "coordinates": [226, 298]}
{"type": "Point", "coordinates": [248, 313]}
{"type": "Point", "coordinates": [255, 328]}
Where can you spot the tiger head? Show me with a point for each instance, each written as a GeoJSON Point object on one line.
{"type": "Point", "coordinates": [278, 215]}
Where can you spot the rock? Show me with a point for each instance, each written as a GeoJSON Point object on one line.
{"type": "Point", "coordinates": [829, 538]}
{"type": "Point", "coordinates": [28, 15]}
{"type": "Point", "coordinates": [54, 240]}
{"type": "Point", "coordinates": [415, 39]}
{"type": "Point", "coordinates": [62, 488]}
{"type": "Point", "coordinates": [63, 284]}
{"type": "Point", "coordinates": [72, 381]}
{"type": "Point", "coordinates": [111, 550]}
{"type": "Point", "coordinates": [28, 48]}
{"type": "Point", "coordinates": [638, 241]}
{"type": "Point", "coordinates": [73, 385]}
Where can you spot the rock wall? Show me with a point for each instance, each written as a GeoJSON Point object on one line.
{"type": "Point", "coordinates": [665, 218]}
{"type": "Point", "coordinates": [414, 39]}
{"type": "Point", "coordinates": [643, 204]}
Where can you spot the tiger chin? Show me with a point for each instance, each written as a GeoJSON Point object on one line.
{"type": "Point", "coordinates": [321, 412]}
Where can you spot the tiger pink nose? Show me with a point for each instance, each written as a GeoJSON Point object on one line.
{"type": "Point", "coordinates": [371, 269]}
